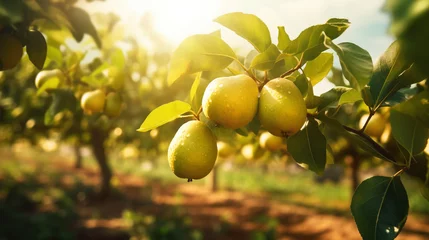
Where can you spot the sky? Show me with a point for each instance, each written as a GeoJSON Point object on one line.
{"type": "Point", "coordinates": [177, 19]}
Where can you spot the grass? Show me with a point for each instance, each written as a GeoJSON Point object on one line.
{"type": "Point", "coordinates": [298, 189]}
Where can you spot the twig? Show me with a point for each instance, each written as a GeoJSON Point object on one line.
{"type": "Point", "coordinates": [371, 113]}
{"type": "Point", "coordinates": [298, 66]}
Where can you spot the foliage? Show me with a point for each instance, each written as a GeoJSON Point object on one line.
{"type": "Point", "coordinates": [303, 60]}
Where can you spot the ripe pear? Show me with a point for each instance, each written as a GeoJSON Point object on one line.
{"type": "Point", "coordinates": [192, 152]}
{"type": "Point", "coordinates": [46, 75]}
{"type": "Point", "coordinates": [250, 151]}
{"type": "Point", "coordinates": [232, 101]}
{"type": "Point", "coordinates": [282, 109]}
{"type": "Point", "coordinates": [375, 126]}
{"type": "Point", "coordinates": [10, 51]}
{"type": "Point", "coordinates": [93, 101]}
{"type": "Point", "coordinates": [270, 142]}
{"type": "Point", "coordinates": [224, 149]}
{"type": "Point", "coordinates": [113, 106]}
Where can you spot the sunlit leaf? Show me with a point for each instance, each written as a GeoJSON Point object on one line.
{"type": "Point", "coordinates": [194, 87]}
{"type": "Point", "coordinates": [380, 208]}
{"type": "Point", "coordinates": [310, 41]}
{"type": "Point", "coordinates": [198, 53]}
{"type": "Point", "coordinates": [351, 96]}
{"type": "Point", "coordinates": [117, 59]}
{"type": "Point", "coordinates": [248, 26]}
{"type": "Point", "coordinates": [356, 63]}
{"type": "Point", "coordinates": [283, 38]}
{"type": "Point", "coordinates": [331, 98]}
{"type": "Point", "coordinates": [308, 147]}
{"type": "Point", "coordinates": [249, 58]}
{"type": "Point", "coordinates": [266, 60]}
{"type": "Point", "coordinates": [55, 54]}
{"type": "Point", "coordinates": [318, 68]}
{"type": "Point", "coordinates": [36, 48]}
{"type": "Point", "coordinates": [164, 114]}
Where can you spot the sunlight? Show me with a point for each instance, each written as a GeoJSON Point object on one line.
{"type": "Point", "coordinates": [177, 19]}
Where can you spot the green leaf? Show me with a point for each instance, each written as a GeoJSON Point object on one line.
{"type": "Point", "coordinates": [93, 81]}
{"type": "Point", "coordinates": [367, 96]}
{"type": "Point", "coordinates": [82, 24]}
{"type": "Point", "coordinates": [417, 107]}
{"type": "Point", "coordinates": [380, 207]}
{"type": "Point", "coordinates": [202, 52]}
{"type": "Point", "coordinates": [12, 11]}
{"type": "Point", "coordinates": [388, 67]}
{"type": "Point", "coordinates": [242, 131]}
{"type": "Point", "coordinates": [318, 68]}
{"type": "Point", "coordinates": [164, 114]}
{"type": "Point", "coordinates": [394, 99]}
{"type": "Point", "coordinates": [254, 126]}
{"type": "Point", "coordinates": [55, 54]}
{"type": "Point", "coordinates": [194, 87]}
{"type": "Point", "coordinates": [356, 62]}
{"type": "Point", "coordinates": [100, 69]}
{"type": "Point", "coordinates": [311, 101]}
{"type": "Point", "coordinates": [301, 82]}
{"type": "Point", "coordinates": [366, 144]}
{"type": "Point", "coordinates": [331, 98]}
{"type": "Point", "coordinates": [36, 48]}
{"type": "Point", "coordinates": [266, 60]}
{"type": "Point", "coordinates": [310, 41]}
{"type": "Point", "coordinates": [117, 59]}
{"type": "Point", "coordinates": [409, 25]}
{"type": "Point", "coordinates": [425, 188]}
{"type": "Point", "coordinates": [336, 77]}
{"type": "Point", "coordinates": [283, 38]}
{"type": "Point", "coordinates": [249, 27]}
{"type": "Point", "coordinates": [351, 96]}
{"type": "Point", "coordinates": [408, 77]}
{"type": "Point", "coordinates": [62, 100]}
{"type": "Point", "coordinates": [308, 147]}
{"type": "Point", "coordinates": [409, 132]}
{"type": "Point", "coordinates": [249, 58]}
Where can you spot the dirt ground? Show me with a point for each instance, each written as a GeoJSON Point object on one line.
{"type": "Point", "coordinates": [209, 210]}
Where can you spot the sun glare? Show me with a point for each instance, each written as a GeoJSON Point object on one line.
{"type": "Point", "coordinates": [177, 19]}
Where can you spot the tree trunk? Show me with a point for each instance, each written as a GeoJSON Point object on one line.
{"type": "Point", "coordinates": [78, 156]}
{"type": "Point", "coordinates": [98, 137]}
{"type": "Point", "coordinates": [212, 180]}
{"type": "Point", "coordinates": [355, 164]}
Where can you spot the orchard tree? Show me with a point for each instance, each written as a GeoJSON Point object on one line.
{"type": "Point", "coordinates": [80, 93]}
{"type": "Point", "coordinates": [272, 91]}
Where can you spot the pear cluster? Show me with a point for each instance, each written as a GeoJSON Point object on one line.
{"type": "Point", "coordinates": [233, 102]}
